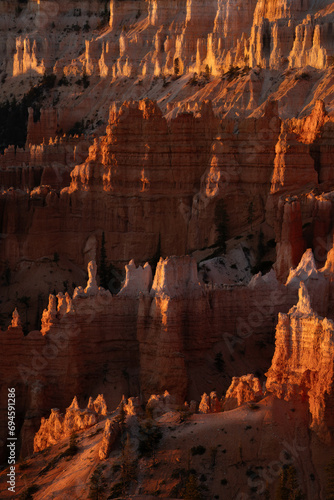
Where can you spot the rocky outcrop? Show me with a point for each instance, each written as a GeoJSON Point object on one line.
{"type": "Point", "coordinates": [236, 184]}
{"type": "Point", "coordinates": [210, 403]}
{"type": "Point", "coordinates": [59, 426]}
{"type": "Point", "coordinates": [242, 390]}
{"type": "Point", "coordinates": [123, 188]}
{"type": "Point", "coordinates": [291, 244]}
{"type": "Point", "coordinates": [316, 282]}
{"type": "Point", "coordinates": [137, 280]}
{"type": "Point", "coordinates": [158, 405]}
{"type": "Point", "coordinates": [144, 343]}
{"type": "Point", "coordinates": [302, 366]}
{"type": "Point", "coordinates": [110, 434]}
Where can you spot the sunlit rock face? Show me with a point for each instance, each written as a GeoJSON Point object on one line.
{"type": "Point", "coordinates": [59, 426]}
{"type": "Point", "coordinates": [242, 390]}
{"type": "Point", "coordinates": [302, 366]}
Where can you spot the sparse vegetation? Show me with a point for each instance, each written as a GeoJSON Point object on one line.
{"type": "Point", "coordinates": [176, 66]}
{"type": "Point", "coordinates": [288, 488]}
{"type": "Point", "coordinates": [77, 129]}
{"type": "Point", "coordinates": [29, 492]}
{"type": "Point", "coordinates": [329, 480]}
{"type": "Point", "coordinates": [192, 491]}
{"type": "Point", "coordinates": [96, 484]}
{"type": "Point", "coordinates": [253, 406]}
{"type": "Point", "coordinates": [221, 221]}
{"type": "Point", "coordinates": [150, 435]}
{"type": "Point", "coordinates": [73, 446]}
{"type": "Point", "coordinates": [207, 73]}
{"type": "Point", "coordinates": [303, 76]}
{"type": "Point", "coordinates": [219, 362]}
{"type": "Point", "coordinates": [63, 81]}
{"type": "Point", "coordinates": [198, 450]}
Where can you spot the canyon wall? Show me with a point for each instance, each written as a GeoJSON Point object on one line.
{"type": "Point", "coordinates": [147, 37]}
{"type": "Point", "coordinates": [147, 339]}
{"type": "Point", "coordinates": [165, 335]}
{"type": "Point", "coordinates": [211, 179]}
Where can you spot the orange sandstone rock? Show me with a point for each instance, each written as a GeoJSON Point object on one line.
{"type": "Point", "coordinates": [302, 365]}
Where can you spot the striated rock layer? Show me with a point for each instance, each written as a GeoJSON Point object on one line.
{"type": "Point", "coordinates": [303, 363]}
{"type": "Point", "coordinates": [140, 342]}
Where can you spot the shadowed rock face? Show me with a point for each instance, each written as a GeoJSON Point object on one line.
{"type": "Point", "coordinates": [140, 341]}
{"type": "Point", "coordinates": [148, 340]}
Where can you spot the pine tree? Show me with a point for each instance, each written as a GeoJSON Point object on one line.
{"type": "Point", "coordinates": [221, 221]}
{"type": "Point", "coordinates": [177, 66]}
{"type": "Point", "coordinates": [192, 490]}
{"type": "Point", "coordinates": [96, 485]}
{"type": "Point", "coordinates": [330, 480]}
{"type": "Point", "coordinates": [128, 465]}
{"type": "Point", "coordinates": [103, 271]}
{"type": "Point", "coordinates": [207, 74]}
{"type": "Point", "coordinates": [288, 488]}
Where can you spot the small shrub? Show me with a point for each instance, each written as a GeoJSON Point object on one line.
{"type": "Point", "coordinates": [176, 66]}
{"type": "Point", "coordinates": [207, 73]}
{"type": "Point", "coordinates": [253, 406]}
{"type": "Point", "coordinates": [96, 486]}
{"type": "Point", "coordinates": [219, 362]}
{"type": "Point", "coordinates": [303, 76]}
{"type": "Point", "coordinates": [223, 482]}
{"type": "Point", "coordinates": [193, 80]}
{"type": "Point", "coordinates": [117, 490]}
{"type": "Point", "coordinates": [73, 447]}
{"type": "Point", "coordinates": [48, 81]}
{"type": "Point", "coordinates": [198, 450]}
{"type": "Point", "coordinates": [232, 73]}
{"type": "Point", "coordinates": [63, 81]}
{"type": "Point", "coordinates": [29, 492]}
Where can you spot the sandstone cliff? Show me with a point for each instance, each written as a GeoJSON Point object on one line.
{"type": "Point", "coordinates": [302, 365]}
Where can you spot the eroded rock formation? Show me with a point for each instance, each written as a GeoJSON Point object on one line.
{"type": "Point", "coordinates": [59, 426]}
{"type": "Point", "coordinates": [302, 366]}
{"type": "Point", "coordinates": [243, 389]}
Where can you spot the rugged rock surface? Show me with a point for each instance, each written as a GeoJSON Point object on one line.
{"type": "Point", "coordinates": [302, 366]}
{"type": "Point", "coordinates": [141, 343]}
{"type": "Point", "coordinates": [223, 140]}
{"type": "Point", "coordinates": [58, 426]}
{"type": "Point", "coordinates": [243, 389]}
